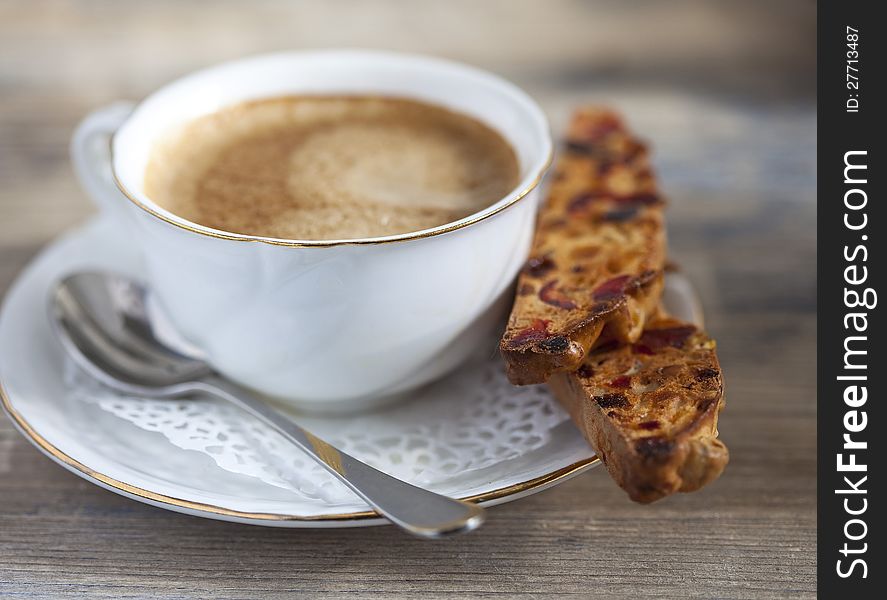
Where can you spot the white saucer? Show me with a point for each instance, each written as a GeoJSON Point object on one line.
{"type": "Point", "coordinates": [471, 435]}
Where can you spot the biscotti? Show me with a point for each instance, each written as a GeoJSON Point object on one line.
{"type": "Point", "coordinates": [598, 256]}
{"type": "Point", "coordinates": [650, 409]}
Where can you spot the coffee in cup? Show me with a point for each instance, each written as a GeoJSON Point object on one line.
{"type": "Point", "coordinates": [330, 167]}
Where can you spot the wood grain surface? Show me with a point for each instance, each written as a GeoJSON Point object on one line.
{"type": "Point", "coordinates": [724, 91]}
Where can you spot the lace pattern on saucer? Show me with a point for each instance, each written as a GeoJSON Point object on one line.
{"type": "Point", "coordinates": [472, 420]}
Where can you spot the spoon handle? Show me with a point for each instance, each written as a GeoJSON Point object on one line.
{"type": "Point", "coordinates": [416, 510]}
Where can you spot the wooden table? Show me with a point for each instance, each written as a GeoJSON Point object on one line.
{"type": "Point", "coordinates": [724, 92]}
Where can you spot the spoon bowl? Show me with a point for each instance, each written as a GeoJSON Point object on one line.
{"type": "Point", "coordinates": [102, 320]}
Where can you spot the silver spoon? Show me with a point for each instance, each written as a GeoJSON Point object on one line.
{"type": "Point", "coordinates": [102, 323]}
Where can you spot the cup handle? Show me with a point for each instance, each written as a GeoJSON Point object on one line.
{"type": "Point", "coordinates": [91, 153]}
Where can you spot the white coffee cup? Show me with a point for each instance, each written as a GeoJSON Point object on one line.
{"type": "Point", "coordinates": [336, 324]}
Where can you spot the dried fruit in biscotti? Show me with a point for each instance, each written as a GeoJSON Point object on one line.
{"type": "Point", "coordinates": [650, 409]}
{"type": "Point", "coordinates": [598, 256]}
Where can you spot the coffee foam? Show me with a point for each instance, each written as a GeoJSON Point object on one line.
{"type": "Point", "coordinates": [330, 168]}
